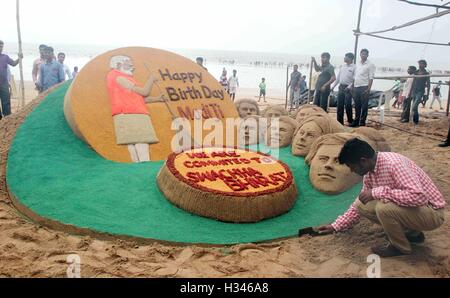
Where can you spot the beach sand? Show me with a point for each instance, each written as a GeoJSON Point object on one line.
{"type": "Point", "coordinates": [29, 250]}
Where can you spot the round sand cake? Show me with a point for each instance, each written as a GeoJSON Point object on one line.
{"type": "Point", "coordinates": [228, 184]}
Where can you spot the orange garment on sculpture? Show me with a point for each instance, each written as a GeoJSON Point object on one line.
{"type": "Point", "coordinates": [122, 100]}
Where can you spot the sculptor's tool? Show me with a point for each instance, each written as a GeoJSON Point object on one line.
{"type": "Point", "coordinates": [309, 231]}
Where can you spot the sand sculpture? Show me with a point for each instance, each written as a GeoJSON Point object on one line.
{"type": "Point", "coordinates": [190, 93]}
{"type": "Point", "coordinates": [280, 131]}
{"type": "Point", "coordinates": [247, 107]}
{"type": "Point", "coordinates": [228, 184]}
{"type": "Point", "coordinates": [326, 174]}
{"type": "Point", "coordinates": [307, 110]}
{"type": "Point", "coordinates": [311, 128]}
{"type": "Point", "coordinates": [274, 111]}
{"type": "Point", "coordinates": [251, 130]}
{"type": "Point", "coordinates": [380, 143]}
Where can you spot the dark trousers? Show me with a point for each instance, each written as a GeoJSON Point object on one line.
{"type": "Point", "coordinates": [321, 98]}
{"type": "Point", "coordinates": [406, 109]}
{"type": "Point", "coordinates": [361, 105]}
{"type": "Point", "coordinates": [344, 101]}
{"type": "Point", "coordinates": [5, 98]}
{"type": "Point", "coordinates": [417, 99]}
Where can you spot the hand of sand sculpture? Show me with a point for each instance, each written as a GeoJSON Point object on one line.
{"type": "Point", "coordinates": [247, 107]}
{"type": "Point", "coordinates": [279, 132]}
{"type": "Point", "coordinates": [274, 112]}
{"type": "Point", "coordinates": [326, 173]}
{"type": "Point", "coordinates": [311, 128]}
{"type": "Point", "coordinates": [380, 143]}
{"type": "Point", "coordinates": [307, 110]}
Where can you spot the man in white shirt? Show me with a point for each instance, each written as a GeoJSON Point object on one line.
{"type": "Point", "coordinates": [407, 94]}
{"type": "Point", "coordinates": [233, 84]}
{"type": "Point", "coordinates": [61, 58]}
{"type": "Point", "coordinates": [365, 72]}
{"type": "Point", "coordinates": [345, 81]}
{"type": "Point", "coordinates": [37, 63]}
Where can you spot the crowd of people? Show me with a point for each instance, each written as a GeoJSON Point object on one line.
{"type": "Point", "coordinates": [48, 70]}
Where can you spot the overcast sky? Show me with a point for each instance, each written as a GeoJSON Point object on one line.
{"type": "Point", "coordinates": [283, 26]}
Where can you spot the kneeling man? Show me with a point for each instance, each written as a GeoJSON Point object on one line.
{"type": "Point", "coordinates": [396, 194]}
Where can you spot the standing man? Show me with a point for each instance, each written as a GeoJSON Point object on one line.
{"type": "Point", "coordinates": [37, 64]}
{"type": "Point", "coordinates": [365, 72]}
{"type": "Point", "coordinates": [396, 194]}
{"type": "Point", "coordinates": [345, 80]}
{"type": "Point", "coordinates": [407, 94]}
{"type": "Point", "coordinates": [50, 72]}
{"type": "Point", "coordinates": [437, 95]}
{"type": "Point", "coordinates": [326, 78]}
{"type": "Point", "coordinates": [303, 85]}
{"type": "Point", "coordinates": [61, 58]}
{"type": "Point", "coordinates": [420, 84]}
{"type": "Point", "coordinates": [199, 61]}
{"type": "Point", "coordinates": [5, 94]}
{"type": "Point", "coordinates": [294, 85]}
{"type": "Point", "coordinates": [233, 84]}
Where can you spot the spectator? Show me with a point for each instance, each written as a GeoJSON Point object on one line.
{"type": "Point", "coordinates": [61, 58]}
{"type": "Point", "coordinates": [224, 80]}
{"type": "Point", "coordinates": [303, 85]}
{"type": "Point", "coordinates": [419, 86]}
{"type": "Point", "coordinates": [326, 78]}
{"type": "Point", "coordinates": [75, 72]}
{"type": "Point", "coordinates": [50, 72]}
{"type": "Point", "coordinates": [407, 94]}
{"type": "Point", "coordinates": [199, 61]}
{"type": "Point", "coordinates": [37, 63]}
{"type": "Point", "coordinates": [262, 89]}
{"type": "Point", "coordinates": [294, 85]}
{"type": "Point", "coordinates": [233, 84]}
{"type": "Point", "coordinates": [5, 94]}
{"type": "Point", "coordinates": [345, 80]}
{"type": "Point", "coordinates": [365, 72]}
{"type": "Point", "coordinates": [437, 95]}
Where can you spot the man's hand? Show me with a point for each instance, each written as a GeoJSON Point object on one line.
{"type": "Point", "coordinates": [326, 229]}
{"type": "Point", "coordinates": [20, 55]}
{"type": "Point", "coordinates": [366, 197]}
{"type": "Point", "coordinates": [366, 93]}
{"type": "Point", "coordinates": [324, 88]}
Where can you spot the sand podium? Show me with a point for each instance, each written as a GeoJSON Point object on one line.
{"type": "Point", "coordinates": [227, 184]}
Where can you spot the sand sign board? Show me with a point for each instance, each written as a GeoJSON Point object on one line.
{"type": "Point", "coordinates": [123, 103]}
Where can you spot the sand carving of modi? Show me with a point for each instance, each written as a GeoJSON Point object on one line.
{"type": "Point", "coordinates": [380, 143]}
{"type": "Point", "coordinates": [311, 128]}
{"type": "Point", "coordinates": [326, 173]}
{"type": "Point", "coordinates": [279, 136]}
{"type": "Point", "coordinates": [132, 124]}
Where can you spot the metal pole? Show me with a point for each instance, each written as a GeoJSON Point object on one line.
{"type": "Point", "coordinates": [22, 86]}
{"type": "Point", "coordinates": [358, 27]}
{"type": "Point", "coordinates": [287, 86]}
{"type": "Point", "coordinates": [448, 99]}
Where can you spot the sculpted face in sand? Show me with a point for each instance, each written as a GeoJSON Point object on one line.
{"type": "Point", "coordinates": [380, 143]}
{"type": "Point", "coordinates": [304, 137]}
{"type": "Point", "coordinates": [274, 112]}
{"type": "Point", "coordinates": [247, 107]}
{"type": "Point", "coordinates": [310, 129]}
{"type": "Point", "coordinates": [326, 174]}
{"type": "Point", "coordinates": [279, 136]}
{"type": "Point", "coordinates": [250, 128]}
{"type": "Point", "coordinates": [307, 110]}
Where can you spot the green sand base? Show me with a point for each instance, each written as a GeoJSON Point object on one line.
{"type": "Point", "coordinates": [58, 177]}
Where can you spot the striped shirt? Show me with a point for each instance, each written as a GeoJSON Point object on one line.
{"type": "Point", "coordinates": [398, 180]}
